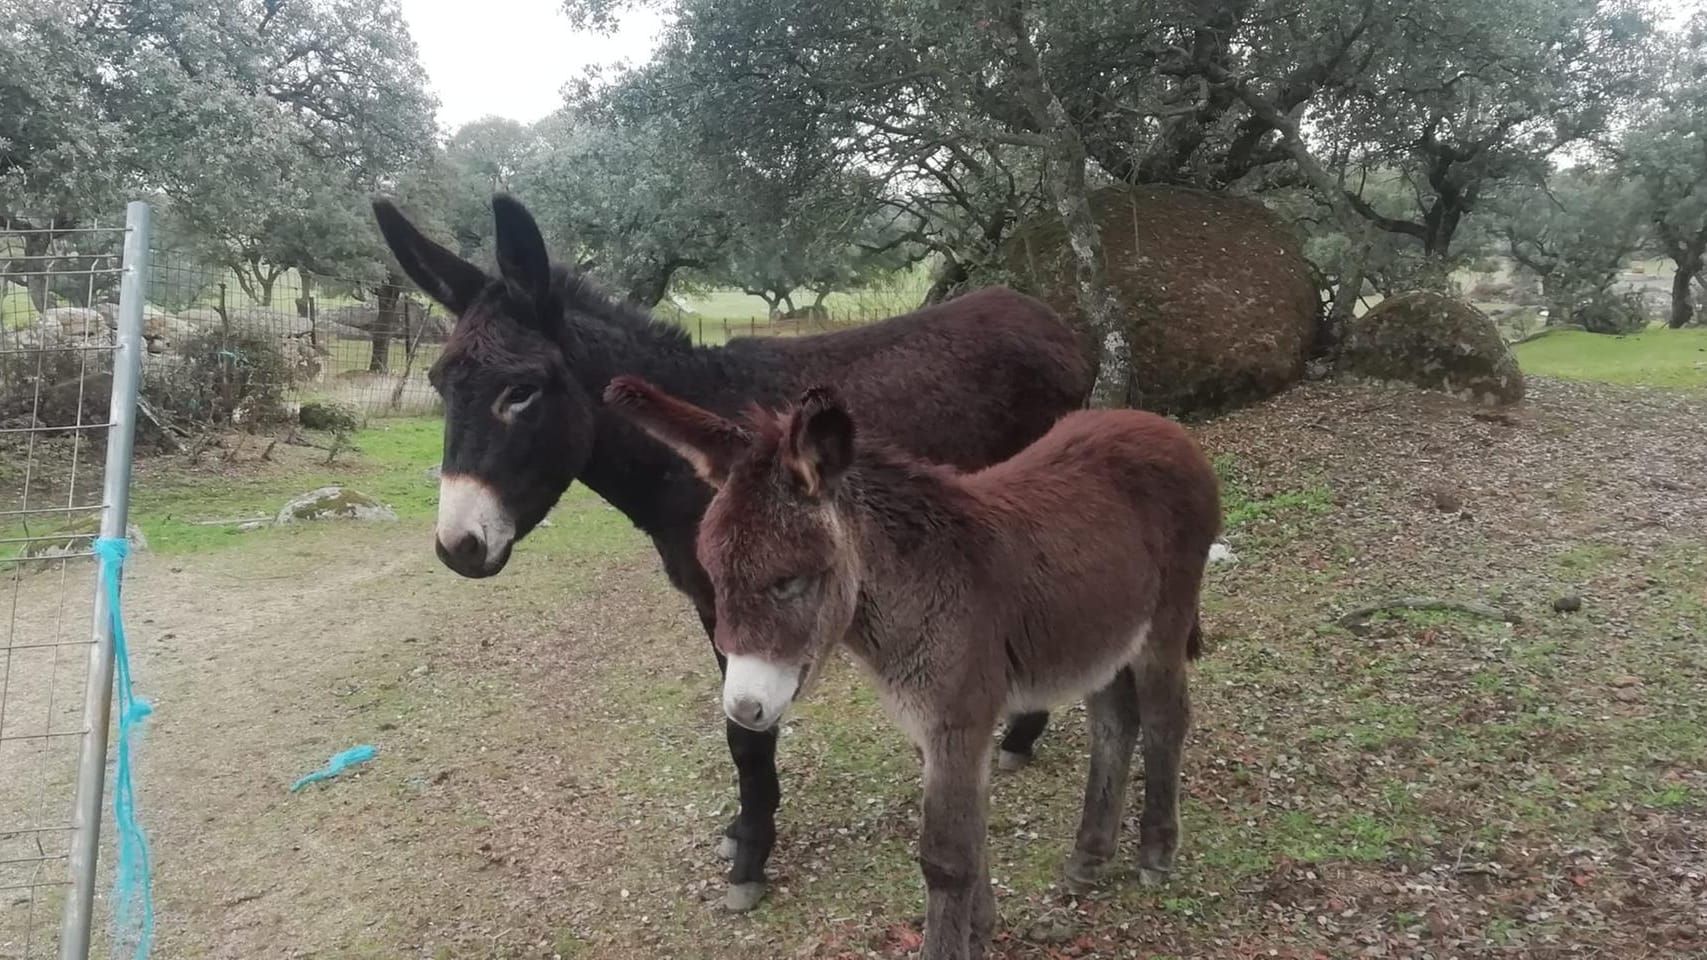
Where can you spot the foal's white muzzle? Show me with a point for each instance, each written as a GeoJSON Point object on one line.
{"type": "Point", "coordinates": [474, 531]}
{"type": "Point", "coordinates": [757, 691]}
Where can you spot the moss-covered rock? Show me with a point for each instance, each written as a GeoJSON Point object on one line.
{"type": "Point", "coordinates": [333, 503]}
{"type": "Point", "coordinates": [1436, 342]}
{"type": "Point", "coordinates": [326, 415]}
{"type": "Point", "coordinates": [1221, 304]}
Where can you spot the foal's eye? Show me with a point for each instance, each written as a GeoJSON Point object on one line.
{"type": "Point", "coordinates": [789, 588]}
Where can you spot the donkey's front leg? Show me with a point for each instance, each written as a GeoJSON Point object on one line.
{"type": "Point", "coordinates": [959, 911]}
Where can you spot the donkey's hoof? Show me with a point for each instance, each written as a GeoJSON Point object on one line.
{"type": "Point", "coordinates": [1153, 876]}
{"type": "Point", "coordinates": [743, 896]}
{"type": "Point", "coordinates": [1085, 871]}
{"type": "Point", "coordinates": [726, 848]}
{"type": "Point", "coordinates": [1007, 761]}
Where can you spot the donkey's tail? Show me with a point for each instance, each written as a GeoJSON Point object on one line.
{"type": "Point", "coordinates": [1194, 642]}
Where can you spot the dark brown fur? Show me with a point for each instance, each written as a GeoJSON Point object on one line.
{"type": "Point", "coordinates": [1071, 569]}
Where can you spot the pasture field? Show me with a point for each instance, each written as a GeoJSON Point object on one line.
{"type": "Point", "coordinates": [1658, 356]}
{"type": "Point", "coordinates": [552, 770]}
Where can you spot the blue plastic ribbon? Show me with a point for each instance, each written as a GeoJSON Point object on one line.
{"type": "Point", "coordinates": [133, 884]}
{"type": "Point", "coordinates": [338, 764]}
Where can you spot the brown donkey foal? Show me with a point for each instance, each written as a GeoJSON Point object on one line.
{"type": "Point", "coordinates": [1071, 569]}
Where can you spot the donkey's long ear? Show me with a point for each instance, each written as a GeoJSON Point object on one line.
{"type": "Point", "coordinates": [820, 444]}
{"type": "Point", "coordinates": [439, 273]}
{"type": "Point", "coordinates": [522, 257]}
{"type": "Point", "coordinates": [704, 439]}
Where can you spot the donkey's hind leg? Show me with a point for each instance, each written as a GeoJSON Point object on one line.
{"type": "Point", "coordinates": [1165, 709]}
{"type": "Point", "coordinates": [1114, 723]}
{"type": "Point", "coordinates": [1017, 743]}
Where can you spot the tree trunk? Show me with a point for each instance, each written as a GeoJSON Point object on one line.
{"type": "Point", "coordinates": [1689, 268]}
{"type": "Point", "coordinates": [306, 294]}
{"type": "Point", "coordinates": [35, 269]}
{"type": "Point", "coordinates": [389, 297]}
{"type": "Point", "coordinates": [1065, 163]}
{"type": "Point", "coordinates": [950, 277]}
{"type": "Point", "coordinates": [266, 285]}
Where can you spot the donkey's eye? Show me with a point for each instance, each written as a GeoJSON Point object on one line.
{"type": "Point", "coordinates": [518, 397]}
{"type": "Point", "coordinates": [789, 588]}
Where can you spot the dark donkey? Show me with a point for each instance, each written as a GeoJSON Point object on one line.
{"type": "Point", "coordinates": [1072, 569]}
{"type": "Point", "coordinates": [967, 382]}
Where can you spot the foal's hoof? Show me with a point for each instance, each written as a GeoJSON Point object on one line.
{"type": "Point", "coordinates": [1153, 876]}
{"type": "Point", "coordinates": [1007, 761]}
{"type": "Point", "coordinates": [726, 848]}
{"type": "Point", "coordinates": [1085, 871]}
{"type": "Point", "coordinates": [743, 896]}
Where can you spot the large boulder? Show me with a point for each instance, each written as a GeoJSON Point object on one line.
{"type": "Point", "coordinates": [77, 322]}
{"type": "Point", "coordinates": [1433, 341]}
{"type": "Point", "coordinates": [333, 503]}
{"type": "Point", "coordinates": [266, 321]}
{"type": "Point", "coordinates": [364, 317]}
{"type": "Point", "coordinates": [1220, 303]}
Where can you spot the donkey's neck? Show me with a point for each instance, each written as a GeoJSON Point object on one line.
{"type": "Point", "coordinates": [656, 490]}
{"type": "Point", "coordinates": [920, 542]}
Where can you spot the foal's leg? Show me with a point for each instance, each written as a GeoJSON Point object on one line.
{"type": "Point", "coordinates": [1165, 710]}
{"type": "Point", "coordinates": [952, 842]}
{"type": "Point", "coordinates": [1017, 743]}
{"type": "Point", "coordinates": [1114, 723]}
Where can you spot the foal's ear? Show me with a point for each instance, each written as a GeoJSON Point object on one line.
{"type": "Point", "coordinates": [522, 257]}
{"type": "Point", "coordinates": [820, 444]}
{"type": "Point", "coordinates": [702, 438]}
{"type": "Point", "coordinates": [439, 273]}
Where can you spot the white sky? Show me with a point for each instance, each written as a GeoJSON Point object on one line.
{"type": "Point", "coordinates": [511, 58]}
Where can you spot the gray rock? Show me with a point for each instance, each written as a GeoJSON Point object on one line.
{"type": "Point", "coordinates": [333, 503]}
{"type": "Point", "coordinates": [1435, 342]}
{"type": "Point", "coordinates": [79, 322]}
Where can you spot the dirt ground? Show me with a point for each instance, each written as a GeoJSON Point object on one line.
{"type": "Point", "coordinates": [1407, 782]}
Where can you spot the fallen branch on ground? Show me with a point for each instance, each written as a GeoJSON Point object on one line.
{"type": "Point", "coordinates": [1360, 616]}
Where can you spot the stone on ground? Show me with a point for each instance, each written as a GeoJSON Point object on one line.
{"type": "Point", "coordinates": [1435, 342]}
{"type": "Point", "coordinates": [333, 503]}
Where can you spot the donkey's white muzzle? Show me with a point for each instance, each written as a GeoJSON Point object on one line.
{"type": "Point", "coordinates": [474, 531]}
{"type": "Point", "coordinates": [756, 691]}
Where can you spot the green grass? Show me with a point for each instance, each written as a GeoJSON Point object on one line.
{"type": "Point", "coordinates": [389, 462]}
{"type": "Point", "coordinates": [1240, 508]}
{"type": "Point", "coordinates": [1656, 357]}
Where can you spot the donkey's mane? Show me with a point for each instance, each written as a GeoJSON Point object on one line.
{"type": "Point", "coordinates": [581, 294]}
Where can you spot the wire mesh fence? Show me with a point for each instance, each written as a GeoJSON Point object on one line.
{"type": "Point", "coordinates": [230, 348]}
{"type": "Point", "coordinates": [56, 375]}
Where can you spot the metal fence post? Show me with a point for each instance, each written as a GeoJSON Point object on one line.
{"type": "Point", "coordinates": [98, 694]}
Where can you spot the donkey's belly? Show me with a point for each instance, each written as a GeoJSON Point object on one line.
{"type": "Point", "coordinates": [1072, 675]}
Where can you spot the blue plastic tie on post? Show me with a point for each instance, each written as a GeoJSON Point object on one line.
{"type": "Point", "coordinates": [338, 764]}
{"type": "Point", "coordinates": [133, 886]}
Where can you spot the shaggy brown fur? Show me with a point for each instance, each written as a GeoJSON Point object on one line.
{"type": "Point", "coordinates": [1071, 569]}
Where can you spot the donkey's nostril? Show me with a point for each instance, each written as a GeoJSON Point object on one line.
{"type": "Point", "coordinates": [747, 712]}
{"type": "Point", "coordinates": [469, 549]}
